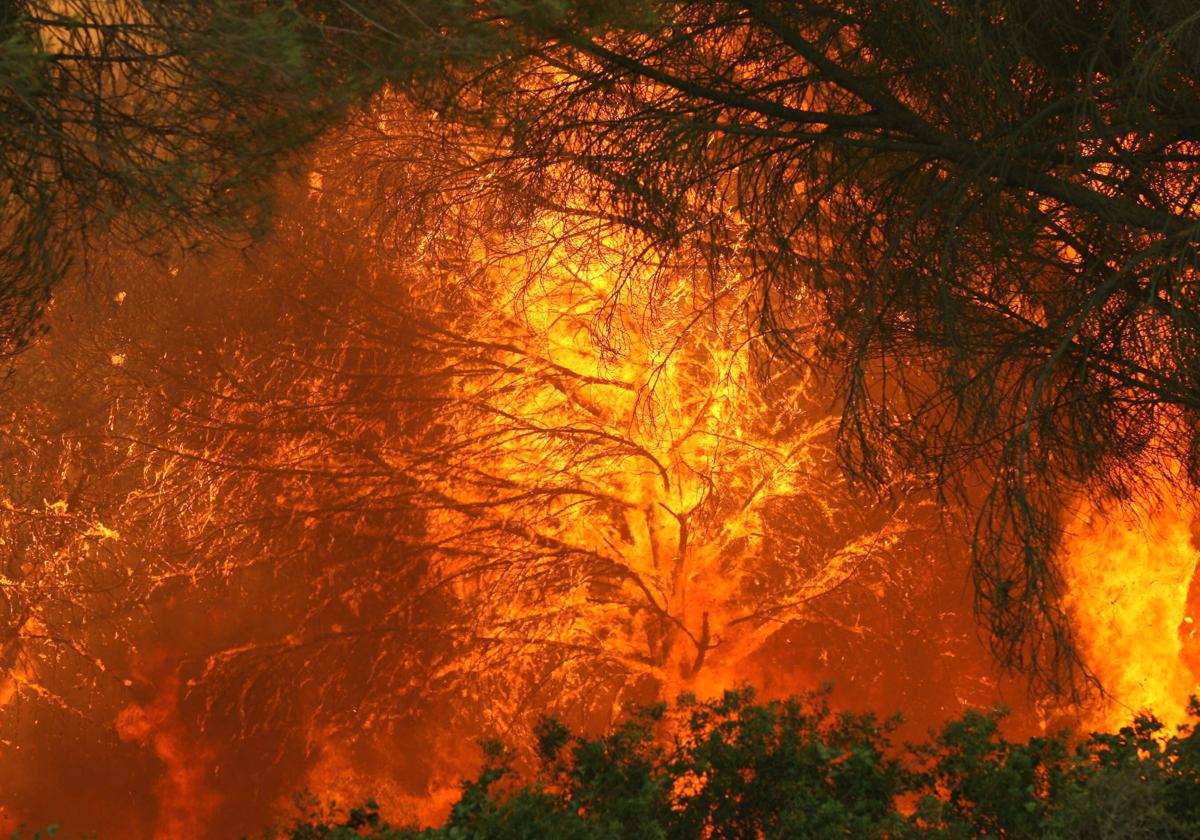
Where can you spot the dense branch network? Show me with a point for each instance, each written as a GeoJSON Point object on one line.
{"type": "Point", "coordinates": [536, 468]}
{"type": "Point", "coordinates": [991, 206]}
{"type": "Point", "coordinates": [993, 203]}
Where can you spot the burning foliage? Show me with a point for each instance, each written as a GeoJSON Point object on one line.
{"type": "Point", "coordinates": [313, 513]}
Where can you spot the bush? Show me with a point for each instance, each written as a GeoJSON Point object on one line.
{"type": "Point", "coordinates": [734, 768]}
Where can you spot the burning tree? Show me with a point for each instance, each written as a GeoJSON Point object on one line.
{"type": "Point", "coordinates": [995, 201]}
{"type": "Point", "coordinates": [496, 452]}
{"type": "Point", "coordinates": [324, 496]}
{"type": "Point", "coordinates": [553, 475]}
{"type": "Point", "coordinates": [616, 494]}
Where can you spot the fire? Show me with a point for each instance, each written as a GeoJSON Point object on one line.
{"type": "Point", "coordinates": [369, 508]}
{"type": "Point", "coordinates": [346, 775]}
{"type": "Point", "coordinates": [186, 800]}
{"type": "Point", "coordinates": [624, 455]}
{"type": "Point", "coordinates": [1129, 573]}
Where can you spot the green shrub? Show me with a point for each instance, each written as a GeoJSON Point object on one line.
{"type": "Point", "coordinates": [734, 768]}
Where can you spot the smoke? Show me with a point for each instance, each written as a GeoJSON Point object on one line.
{"type": "Point", "coordinates": [416, 774]}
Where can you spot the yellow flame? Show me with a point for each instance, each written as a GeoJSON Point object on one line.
{"type": "Point", "coordinates": [1128, 573]}
{"type": "Point", "coordinates": [625, 399]}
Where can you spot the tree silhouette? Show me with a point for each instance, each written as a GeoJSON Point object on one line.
{"type": "Point", "coordinates": [611, 464]}
{"type": "Point", "coordinates": [146, 123]}
{"type": "Point", "coordinates": [551, 472]}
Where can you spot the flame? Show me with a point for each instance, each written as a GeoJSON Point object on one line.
{"type": "Point", "coordinates": [346, 775]}
{"type": "Point", "coordinates": [186, 800]}
{"type": "Point", "coordinates": [1129, 570]}
{"type": "Point", "coordinates": [618, 502]}
{"type": "Point", "coordinates": [622, 413]}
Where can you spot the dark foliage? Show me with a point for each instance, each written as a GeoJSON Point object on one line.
{"type": "Point", "coordinates": [734, 768]}
{"type": "Point", "coordinates": [149, 123]}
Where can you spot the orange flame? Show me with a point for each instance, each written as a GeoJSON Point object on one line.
{"type": "Point", "coordinates": [186, 802]}
{"type": "Point", "coordinates": [1128, 572]}
{"type": "Point", "coordinates": [672, 465]}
